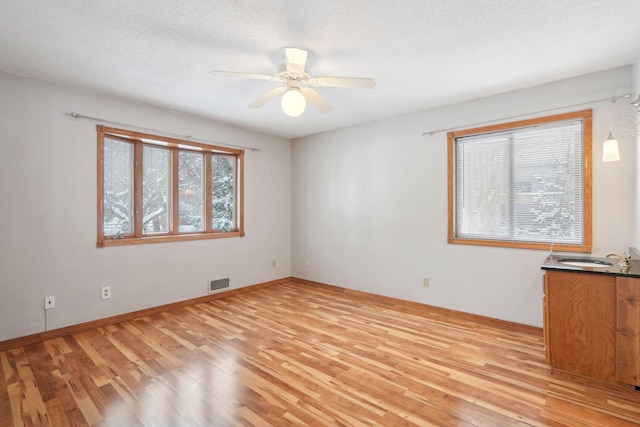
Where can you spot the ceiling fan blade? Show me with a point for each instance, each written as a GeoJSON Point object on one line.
{"type": "Point", "coordinates": [357, 82]}
{"type": "Point", "coordinates": [316, 99]}
{"type": "Point", "coordinates": [245, 75]}
{"type": "Point", "coordinates": [267, 97]}
{"type": "Point", "coordinates": [295, 60]}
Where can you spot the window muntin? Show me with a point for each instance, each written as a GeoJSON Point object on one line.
{"type": "Point", "coordinates": [155, 189]}
{"type": "Point", "coordinates": [525, 184]}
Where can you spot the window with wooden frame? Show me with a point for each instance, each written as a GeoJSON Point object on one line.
{"type": "Point", "coordinates": [525, 184]}
{"type": "Point", "coordinates": [157, 189]}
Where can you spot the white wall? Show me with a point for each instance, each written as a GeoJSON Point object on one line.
{"type": "Point", "coordinates": [369, 204]}
{"type": "Point", "coordinates": [48, 214]}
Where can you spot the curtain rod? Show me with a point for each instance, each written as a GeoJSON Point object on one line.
{"type": "Point", "coordinates": [612, 99]}
{"type": "Point", "coordinates": [173, 135]}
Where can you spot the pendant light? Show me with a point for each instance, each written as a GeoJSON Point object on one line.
{"type": "Point", "coordinates": [610, 152]}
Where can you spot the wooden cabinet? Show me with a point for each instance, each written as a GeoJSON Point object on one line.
{"type": "Point", "coordinates": [581, 329]}
{"type": "Point", "coordinates": [592, 325]}
{"type": "Point", "coordinates": [628, 330]}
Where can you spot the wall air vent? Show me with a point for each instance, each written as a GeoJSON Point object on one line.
{"type": "Point", "coordinates": [219, 284]}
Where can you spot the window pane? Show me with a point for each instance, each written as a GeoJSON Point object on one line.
{"type": "Point", "coordinates": [191, 200]}
{"type": "Point", "coordinates": [118, 187]}
{"type": "Point", "coordinates": [223, 171]}
{"type": "Point", "coordinates": [155, 189]}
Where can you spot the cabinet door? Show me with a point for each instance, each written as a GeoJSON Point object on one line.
{"type": "Point", "coordinates": [628, 330]}
{"type": "Point", "coordinates": [582, 323]}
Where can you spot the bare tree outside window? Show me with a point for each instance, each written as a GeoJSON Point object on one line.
{"type": "Point", "coordinates": [118, 187]}
{"type": "Point", "coordinates": [155, 189]}
{"type": "Point", "coordinates": [191, 188]}
{"type": "Point", "coordinates": [224, 192]}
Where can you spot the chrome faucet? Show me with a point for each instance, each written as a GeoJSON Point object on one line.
{"type": "Point", "coordinates": [624, 259]}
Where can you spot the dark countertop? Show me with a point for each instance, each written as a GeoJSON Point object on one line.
{"type": "Point", "coordinates": [551, 263]}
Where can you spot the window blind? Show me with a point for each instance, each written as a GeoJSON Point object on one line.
{"type": "Point", "coordinates": [522, 184]}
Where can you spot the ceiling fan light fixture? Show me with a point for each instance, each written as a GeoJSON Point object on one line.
{"type": "Point", "coordinates": [293, 103]}
{"type": "Point", "coordinates": [295, 82]}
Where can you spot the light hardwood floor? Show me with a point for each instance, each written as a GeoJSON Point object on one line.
{"type": "Point", "coordinates": [294, 354]}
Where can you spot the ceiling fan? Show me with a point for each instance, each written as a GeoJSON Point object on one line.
{"type": "Point", "coordinates": [295, 82]}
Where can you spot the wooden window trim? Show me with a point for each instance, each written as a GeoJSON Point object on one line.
{"type": "Point", "coordinates": [587, 140]}
{"type": "Point", "coordinates": [137, 189]}
{"type": "Point", "coordinates": [139, 139]}
{"type": "Point", "coordinates": [208, 204]}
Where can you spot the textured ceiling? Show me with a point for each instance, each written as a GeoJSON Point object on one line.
{"type": "Point", "coordinates": [421, 53]}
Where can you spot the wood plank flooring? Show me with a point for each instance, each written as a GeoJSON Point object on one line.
{"type": "Point", "coordinates": [293, 354]}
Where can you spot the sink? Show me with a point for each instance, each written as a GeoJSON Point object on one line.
{"type": "Point", "coordinates": [584, 262]}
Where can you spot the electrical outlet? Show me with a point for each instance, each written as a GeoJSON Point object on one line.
{"type": "Point", "coordinates": [273, 263]}
{"type": "Point", "coordinates": [307, 262]}
{"type": "Point", "coordinates": [106, 292]}
{"type": "Point", "coordinates": [425, 282]}
{"type": "Point", "coordinates": [49, 302]}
